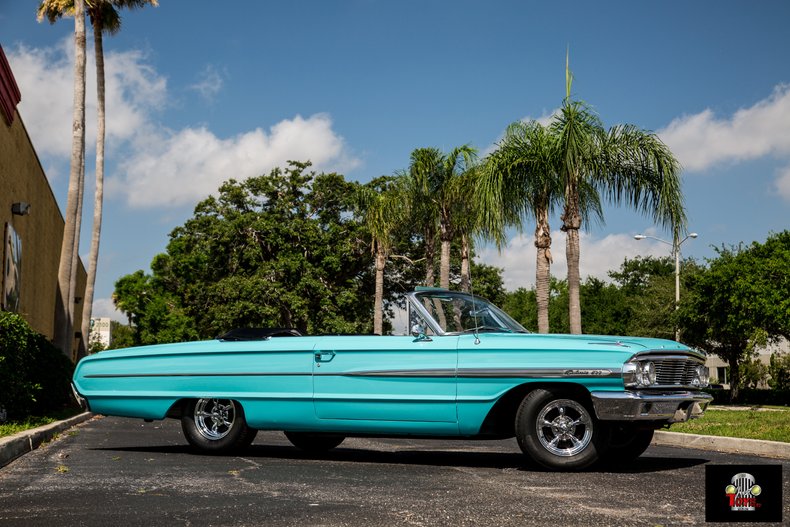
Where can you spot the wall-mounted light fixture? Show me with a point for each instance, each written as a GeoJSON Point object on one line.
{"type": "Point", "coordinates": [20, 209]}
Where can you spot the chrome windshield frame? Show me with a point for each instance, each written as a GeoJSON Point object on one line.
{"type": "Point", "coordinates": [415, 302]}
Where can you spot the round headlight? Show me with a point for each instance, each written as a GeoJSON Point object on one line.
{"type": "Point", "coordinates": [646, 373]}
{"type": "Point", "coordinates": [700, 377]}
{"type": "Point", "coordinates": [650, 373]}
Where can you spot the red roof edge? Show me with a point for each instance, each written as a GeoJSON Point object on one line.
{"type": "Point", "coordinates": [9, 91]}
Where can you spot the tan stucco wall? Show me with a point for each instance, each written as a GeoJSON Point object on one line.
{"type": "Point", "coordinates": [22, 179]}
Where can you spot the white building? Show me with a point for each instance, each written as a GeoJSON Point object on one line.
{"type": "Point", "coordinates": [101, 331]}
{"type": "Point", "coordinates": [718, 368]}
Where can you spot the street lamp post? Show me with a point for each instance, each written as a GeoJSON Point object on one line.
{"type": "Point", "coordinates": [676, 251]}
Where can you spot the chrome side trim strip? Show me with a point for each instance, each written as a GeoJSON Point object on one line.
{"type": "Point", "coordinates": [463, 373]}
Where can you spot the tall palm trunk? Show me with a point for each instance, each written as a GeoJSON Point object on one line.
{"type": "Point", "coordinates": [430, 257]}
{"type": "Point", "coordinates": [466, 277]}
{"type": "Point", "coordinates": [64, 318]}
{"type": "Point", "coordinates": [87, 307]}
{"type": "Point", "coordinates": [571, 224]}
{"type": "Point", "coordinates": [446, 238]}
{"type": "Point", "coordinates": [78, 352]}
{"type": "Point", "coordinates": [543, 268]}
{"type": "Point", "coordinates": [378, 304]}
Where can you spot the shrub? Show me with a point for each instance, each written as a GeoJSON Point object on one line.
{"type": "Point", "coordinates": [34, 374]}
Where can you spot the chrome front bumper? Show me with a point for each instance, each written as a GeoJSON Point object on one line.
{"type": "Point", "coordinates": [674, 407]}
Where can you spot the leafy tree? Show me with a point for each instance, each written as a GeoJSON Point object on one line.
{"type": "Point", "coordinates": [740, 301]}
{"type": "Point", "coordinates": [122, 336]}
{"type": "Point", "coordinates": [779, 371]}
{"type": "Point", "coordinates": [487, 282]}
{"type": "Point", "coordinates": [753, 373]}
{"type": "Point", "coordinates": [34, 374]}
{"type": "Point", "coordinates": [282, 249]}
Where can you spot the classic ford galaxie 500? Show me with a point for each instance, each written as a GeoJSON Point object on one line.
{"type": "Point", "coordinates": [467, 370]}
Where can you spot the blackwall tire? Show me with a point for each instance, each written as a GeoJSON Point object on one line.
{"type": "Point", "coordinates": [216, 426]}
{"type": "Point", "coordinates": [559, 430]}
{"type": "Point", "coordinates": [627, 443]}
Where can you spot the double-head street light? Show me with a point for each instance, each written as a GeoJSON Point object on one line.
{"type": "Point", "coordinates": [676, 251]}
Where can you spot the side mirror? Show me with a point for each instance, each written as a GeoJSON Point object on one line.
{"type": "Point", "coordinates": [418, 332]}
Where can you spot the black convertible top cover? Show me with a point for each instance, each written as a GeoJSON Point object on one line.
{"type": "Point", "coordinates": [258, 333]}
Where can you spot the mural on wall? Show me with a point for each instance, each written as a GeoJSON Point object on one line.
{"type": "Point", "coordinates": [12, 268]}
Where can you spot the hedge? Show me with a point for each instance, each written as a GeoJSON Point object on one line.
{"type": "Point", "coordinates": [34, 374]}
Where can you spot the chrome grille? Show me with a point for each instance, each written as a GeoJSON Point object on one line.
{"type": "Point", "coordinates": [674, 371]}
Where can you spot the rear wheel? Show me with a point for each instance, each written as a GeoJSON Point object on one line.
{"type": "Point", "coordinates": [558, 430]}
{"type": "Point", "coordinates": [314, 443]}
{"type": "Point", "coordinates": [216, 426]}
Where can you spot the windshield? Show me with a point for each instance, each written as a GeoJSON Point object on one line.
{"type": "Point", "coordinates": [454, 312]}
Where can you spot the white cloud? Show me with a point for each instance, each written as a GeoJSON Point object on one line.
{"type": "Point", "coordinates": [703, 140]}
{"type": "Point", "coordinates": [598, 256]}
{"type": "Point", "coordinates": [210, 83]}
{"type": "Point", "coordinates": [159, 166]}
{"type": "Point", "coordinates": [45, 78]}
{"type": "Point", "coordinates": [783, 183]}
{"type": "Point", "coordinates": [104, 307]}
{"type": "Point", "coordinates": [183, 167]}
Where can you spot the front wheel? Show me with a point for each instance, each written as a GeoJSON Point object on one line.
{"type": "Point", "coordinates": [216, 426]}
{"type": "Point", "coordinates": [558, 430]}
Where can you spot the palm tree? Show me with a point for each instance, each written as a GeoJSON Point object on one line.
{"type": "Point", "coordinates": [64, 312]}
{"type": "Point", "coordinates": [104, 19]}
{"type": "Point", "coordinates": [521, 180]}
{"type": "Point", "coordinates": [469, 208]}
{"type": "Point", "coordinates": [424, 162]}
{"type": "Point", "coordinates": [383, 206]}
{"type": "Point", "coordinates": [624, 164]}
{"type": "Point", "coordinates": [437, 184]}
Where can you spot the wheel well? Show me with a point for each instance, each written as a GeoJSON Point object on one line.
{"type": "Point", "coordinates": [179, 408]}
{"type": "Point", "coordinates": [501, 419]}
{"type": "Point", "coordinates": [176, 411]}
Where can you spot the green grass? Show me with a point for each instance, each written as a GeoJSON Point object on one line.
{"type": "Point", "coordinates": [13, 427]}
{"type": "Point", "coordinates": [769, 423]}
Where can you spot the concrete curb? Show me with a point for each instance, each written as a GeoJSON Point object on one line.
{"type": "Point", "coordinates": [733, 445]}
{"type": "Point", "coordinates": [14, 446]}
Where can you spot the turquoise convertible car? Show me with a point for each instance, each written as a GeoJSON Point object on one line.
{"type": "Point", "coordinates": [467, 370]}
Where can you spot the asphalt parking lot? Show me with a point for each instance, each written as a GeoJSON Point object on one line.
{"type": "Point", "coordinates": [114, 471]}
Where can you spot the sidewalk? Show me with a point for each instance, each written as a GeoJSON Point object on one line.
{"type": "Point", "coordinates": [12, 447]}
{"type": "Point", "coordinates": [733, 445]}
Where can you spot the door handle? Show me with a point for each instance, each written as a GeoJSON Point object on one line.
{"type": "Point", "coordinates": [324, 356]}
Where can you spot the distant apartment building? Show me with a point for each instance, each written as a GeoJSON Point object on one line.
{"type": "Point", "coordinates": [31, 222]}
{"type": "Point", "coordinates": [719, 369]}
{"type": "Point", "coordinates": [101, 331]}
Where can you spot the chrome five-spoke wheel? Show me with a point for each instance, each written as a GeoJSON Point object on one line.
{"type": "Point", "coordinates": [564, 427]}
{"type": "Point", "coordinates": [216, 426]}
{"type": "Point", "coordinates": [214, 417]}
{"type": "Point", "coordinates": [557, 429]}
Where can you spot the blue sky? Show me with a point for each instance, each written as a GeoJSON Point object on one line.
{"type": "Point", "coordinates": [197, 97]}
